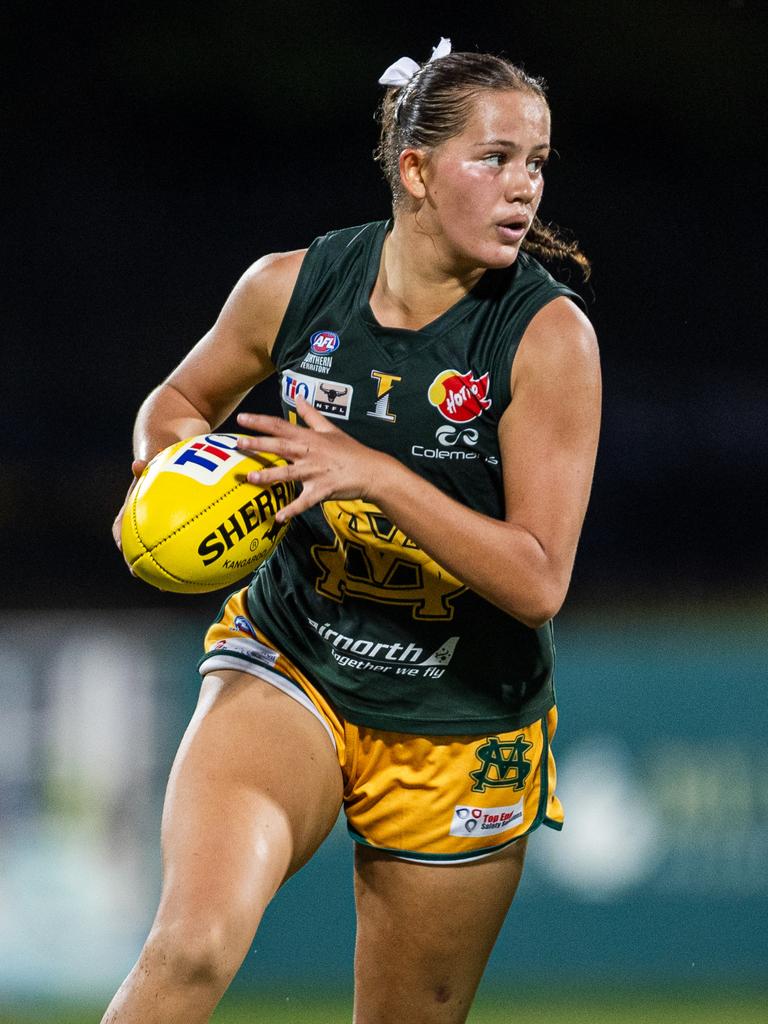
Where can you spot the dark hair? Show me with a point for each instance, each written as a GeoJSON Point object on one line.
{"type": "Point", "coordinates": [436, 105]}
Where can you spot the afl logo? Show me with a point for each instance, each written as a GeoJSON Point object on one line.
{"type": "Point", "coordinates": [323, 343]}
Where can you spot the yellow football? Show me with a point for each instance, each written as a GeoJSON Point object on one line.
{"type": "Point", "coordinates": [193, 523]}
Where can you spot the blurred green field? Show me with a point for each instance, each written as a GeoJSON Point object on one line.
{"type": "Point", "coordinates": [709, 1006]}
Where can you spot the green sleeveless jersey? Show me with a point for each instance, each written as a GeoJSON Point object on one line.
{"type": "Point", "coordinates": [394, 640]}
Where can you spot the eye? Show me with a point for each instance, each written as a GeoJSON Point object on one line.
{"type": "Point", "coordinates": [494, 159]}
{"type": "Point", "coordinates": [536, 165]}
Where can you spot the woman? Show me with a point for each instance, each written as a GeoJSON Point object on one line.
{"type": "Point", "coordinates": [442, 400]}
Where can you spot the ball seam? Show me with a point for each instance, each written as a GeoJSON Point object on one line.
{"type": "Point", "coordinates": [199, 513]}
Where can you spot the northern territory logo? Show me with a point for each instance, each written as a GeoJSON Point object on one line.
{"type": "Point", "coordinates": [460, 397]}
{"type": "Point", "coordinates": [327, 396]}
{"type": "Point", "coordinates": [322, 345]}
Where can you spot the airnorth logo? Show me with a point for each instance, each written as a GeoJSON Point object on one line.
{"type": "Point", "coordinates": [460, 397]}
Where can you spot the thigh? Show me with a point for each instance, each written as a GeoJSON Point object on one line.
{"type": "Point", "coordinates": [255, 788]}
{"type": "Point", "coordinates": [424, 933]}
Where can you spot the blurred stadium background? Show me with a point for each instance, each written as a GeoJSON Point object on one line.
{"type": "Point", "coordinates": [155, 151]}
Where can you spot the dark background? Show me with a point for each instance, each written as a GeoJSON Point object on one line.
{"type": "Point", "coordinates": [154, 152]}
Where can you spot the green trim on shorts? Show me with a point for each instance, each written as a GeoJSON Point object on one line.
{"type": "Point", "coordinates": [541, 810]}
{"type": "Point", "coordinates": [539, 819]}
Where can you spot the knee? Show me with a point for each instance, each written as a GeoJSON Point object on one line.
{"type": "Point", "coordinates": [191, 957]}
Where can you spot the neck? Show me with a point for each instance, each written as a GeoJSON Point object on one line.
{"type": "Point", "coordinates": [416, 282]}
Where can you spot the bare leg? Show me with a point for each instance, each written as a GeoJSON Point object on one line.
{"type": "Point", "coordinates": [424, 934]}
{"type": "Point", "coordinates": [254, 790]}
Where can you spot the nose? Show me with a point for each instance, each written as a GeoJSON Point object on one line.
{"type": "Point", "coordinates": [518, 184]}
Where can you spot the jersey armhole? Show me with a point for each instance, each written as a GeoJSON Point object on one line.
{"type": "Point", "coordinates": [509, 351]}
{"type": "Point", "coordinates": [303, 282]}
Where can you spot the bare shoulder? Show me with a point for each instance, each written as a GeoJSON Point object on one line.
{"type": "Point", "coordinates": [236, 353]}
{"type": "Point", "coordinates": [262, 294]}
{"type": "Point", "coordinates": [559, 339]}
{"type": "Point", "coordinates": [275, 273]}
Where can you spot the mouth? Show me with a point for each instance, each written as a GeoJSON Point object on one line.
{"type": "Point", "coordinates": [513, 230]}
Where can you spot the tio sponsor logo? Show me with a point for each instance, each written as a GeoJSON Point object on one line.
{"type": "Point", "coordinates": [296, 385]}
{"type": "Point", "coordinates": [208, 460]}
{"type": "Point", "coordinates": [460, 397]}
{"type": "Point", "coordinates": [323, 343]}
{"type": "Point", "coordinates": [483, 821]}
{"type": "Point", "coordinates": [329, 397]}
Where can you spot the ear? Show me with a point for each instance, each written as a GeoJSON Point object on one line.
{"type": "Point", "coordinates": [413, 164]}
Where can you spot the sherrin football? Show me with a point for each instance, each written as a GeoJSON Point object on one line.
{"type": "Point", "coordinates": [193, 523]}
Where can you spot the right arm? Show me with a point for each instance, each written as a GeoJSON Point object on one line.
{"type": "Point", "coordinates": [214, 377]}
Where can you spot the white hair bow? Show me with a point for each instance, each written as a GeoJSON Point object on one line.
{"type": "Point", "coordinates": [402, 71]}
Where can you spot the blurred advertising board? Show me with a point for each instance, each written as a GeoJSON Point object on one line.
{"type": "Point", "coordinates": [659, 874]}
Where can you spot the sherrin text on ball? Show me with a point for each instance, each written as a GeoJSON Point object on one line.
{"type": "Point", "coordinates": [194, 523]}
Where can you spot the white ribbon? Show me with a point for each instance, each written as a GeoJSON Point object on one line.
{"type": "Point", "coordinates": [402, 71]}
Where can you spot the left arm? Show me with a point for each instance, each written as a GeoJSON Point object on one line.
{"type": "Point", "coordinates": [548, 440]}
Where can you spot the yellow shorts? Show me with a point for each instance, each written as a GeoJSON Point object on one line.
{"type": "Point", "coordinates": [436, 799]}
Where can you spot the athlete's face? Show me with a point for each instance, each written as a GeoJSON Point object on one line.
{"type": "Point", "coordinates": [483, 187]}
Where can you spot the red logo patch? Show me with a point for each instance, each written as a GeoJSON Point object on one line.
{"type": "Point", "coordinates": [460, 397]}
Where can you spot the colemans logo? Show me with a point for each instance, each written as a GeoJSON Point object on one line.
{"type": "Point", "coordinates": [460, 397]}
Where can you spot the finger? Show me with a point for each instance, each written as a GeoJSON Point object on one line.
{"type": "Point", "coordinates": [312, 417]}
{"type": "Point", "coordinates": [296, 507]}
{"type": "Point", "coordinates": [272, 425]}
{"type": "Point", "coordinates": [286, 448]}
{"type": "Point", "coordinates": [264, 477]}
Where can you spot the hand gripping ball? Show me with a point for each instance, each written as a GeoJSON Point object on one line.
{"type": "Point", "coordinates": [193, 523]}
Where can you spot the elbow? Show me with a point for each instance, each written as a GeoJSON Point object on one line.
{"type": "Point", "coordinates": [542, 603]}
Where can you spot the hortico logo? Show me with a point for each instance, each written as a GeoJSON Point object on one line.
{"type": "Point", "coordinates": [460, 397]}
